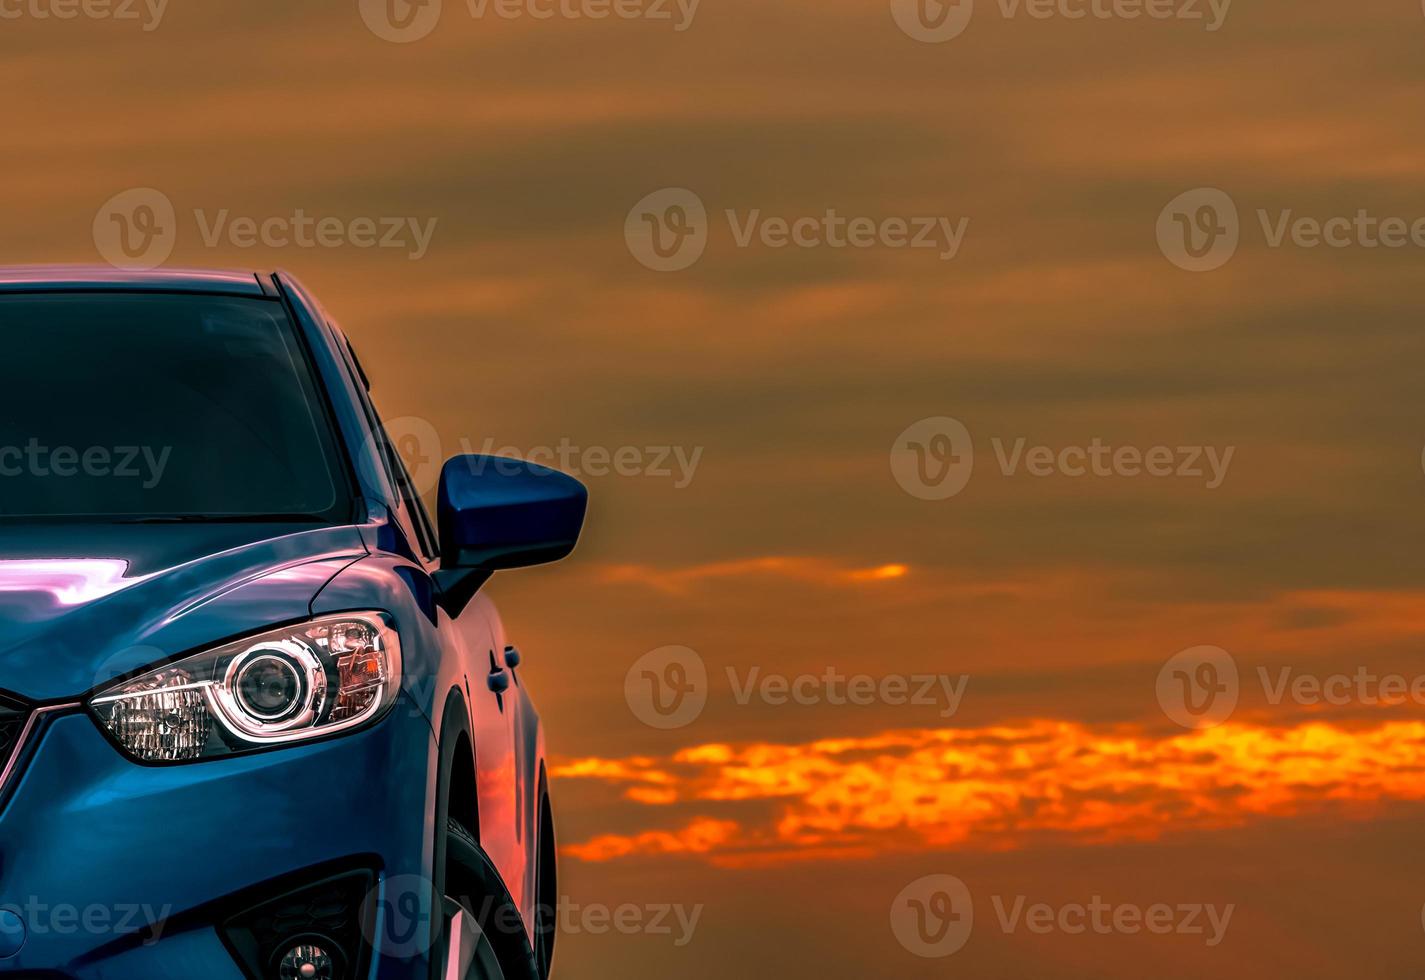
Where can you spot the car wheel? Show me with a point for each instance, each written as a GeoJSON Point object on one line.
{"type": "Point", "coordinates": [547, 892]}
{"type": "Point", "coordinates": [468, 954]}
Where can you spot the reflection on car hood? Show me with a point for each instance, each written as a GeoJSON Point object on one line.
{"type": "Point", "coordinates": [82, 604]}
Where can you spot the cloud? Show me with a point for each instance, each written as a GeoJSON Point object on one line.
{"type": "Point", "coordinates": [698, 837]}
{"type": "Point", "coordinates": [1002, 787]}
{"type": "Point", "coordinates": [813, 571]}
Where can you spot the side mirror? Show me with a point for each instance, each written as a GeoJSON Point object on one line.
{"type": "Point", "coordinates": [496, 512]}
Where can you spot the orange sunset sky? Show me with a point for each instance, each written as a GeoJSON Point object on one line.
{"type": "Point", "coordinates": [784, 378]}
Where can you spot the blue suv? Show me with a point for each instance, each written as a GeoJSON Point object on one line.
{"type": "Point", "coordinates": [256, 717]}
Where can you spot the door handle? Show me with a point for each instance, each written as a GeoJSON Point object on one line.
{"type": "Point", "coordinates": [499, 680]}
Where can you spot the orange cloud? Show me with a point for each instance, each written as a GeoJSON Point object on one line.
{"type": "Point", "coordinates": [1003, 787]}
{"type": "Point", "coordinates": [699, 837]}
{"type": "Point", "coordinates": [814, 571]}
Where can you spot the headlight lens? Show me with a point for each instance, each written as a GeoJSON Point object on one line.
{"type": "Point", "coordinates": [301, 682]}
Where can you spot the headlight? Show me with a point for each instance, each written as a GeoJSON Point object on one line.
{"type": "Point", "coordinates": [305, 681]}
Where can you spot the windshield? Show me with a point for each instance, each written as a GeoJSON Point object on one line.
{"type": "Point", "coordinates": [158, 406]}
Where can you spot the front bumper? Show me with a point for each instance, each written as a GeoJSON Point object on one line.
{"type": "Point", "coordinates": [117, 870]}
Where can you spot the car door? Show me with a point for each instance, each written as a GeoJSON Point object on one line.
{"type": "Point", "coordinates": [493, 700]}
{"type": "Point", "coordinates": [475, 641]}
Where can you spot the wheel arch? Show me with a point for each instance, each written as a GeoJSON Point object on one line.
{"type": "Point", "coordinates": [547, 898]}
{"type": "Point", "coordinates": [456, 796]}
{"type": "Point", "coordinates": [457, 790]}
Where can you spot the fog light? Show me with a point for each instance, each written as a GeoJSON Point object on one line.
{"type": "Point", "coordinates": [306, 962]}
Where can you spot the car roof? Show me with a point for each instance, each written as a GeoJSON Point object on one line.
{"type": "Point", "coordinates": [96, 278]}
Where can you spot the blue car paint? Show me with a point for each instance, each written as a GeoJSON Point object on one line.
{"type": "Point", "coordinates": [66, 633]}
{"type": "Point", "coordinates": [83, 825]}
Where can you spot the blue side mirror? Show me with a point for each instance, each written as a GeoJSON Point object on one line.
{"type": "Point", "coordinates": [496, 512]}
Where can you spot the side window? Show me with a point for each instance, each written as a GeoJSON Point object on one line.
{"type": "Point", "coordinates": [430, 546]}
{"type": "Point", "coordinates": [391, 458]}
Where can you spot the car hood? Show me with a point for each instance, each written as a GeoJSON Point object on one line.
{"type": "Point", "coordinates": [83, 604]}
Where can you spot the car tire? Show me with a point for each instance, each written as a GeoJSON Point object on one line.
{"type": "Point", "coordinates": [546, 919]}
{"type": "Point", "coordinates": [468, 953]}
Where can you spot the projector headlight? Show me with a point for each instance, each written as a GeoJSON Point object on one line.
{"type": "Point", "coordinates": [306, 681]}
